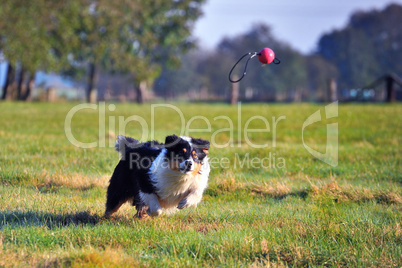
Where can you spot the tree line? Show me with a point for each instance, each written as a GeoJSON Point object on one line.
{"type": "Point", "coordinates": [368, 47]}
{"type": "Point", "coordinates": [148, 45]}
{"type": "Point", "coordinates": [77, 37]}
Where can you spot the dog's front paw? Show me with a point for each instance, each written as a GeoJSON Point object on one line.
{"type": "Point", "coordinates": [141, 212]}
{"type": "Point", "coordinates": [183, 204]}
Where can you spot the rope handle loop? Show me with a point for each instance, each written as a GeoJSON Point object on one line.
{"type": "Point", "coordinates": [253, 54]}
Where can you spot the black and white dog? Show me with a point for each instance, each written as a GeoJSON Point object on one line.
{"type": "Point", "coordinates": [155, 176]}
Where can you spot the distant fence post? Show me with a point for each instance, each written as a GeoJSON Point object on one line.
{"type": "Point", "coordinates": [389, 85]}
{"type": "Point", "coordinates": [93, 96]}
{"type": "Point", "coordinates": [332, 90]}
{"type": "Point", "coordinates": [234, 96]}
{"type": "Point", "coordinates": [51, 95]}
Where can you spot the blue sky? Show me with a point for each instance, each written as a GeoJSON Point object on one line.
{"type": "Point", "coordinates": [299, 23]}
{"type": "Point", "coordinates": [2, 73]}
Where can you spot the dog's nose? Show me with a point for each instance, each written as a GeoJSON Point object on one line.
{"type": "Point", "coordinates": [188, 164]}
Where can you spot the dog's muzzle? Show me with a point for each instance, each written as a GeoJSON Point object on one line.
{"type": "Point", "coordinates": [186, 166]}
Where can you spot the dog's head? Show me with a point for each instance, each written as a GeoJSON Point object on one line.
{"type": "Point", "coordinates": [186, 154]}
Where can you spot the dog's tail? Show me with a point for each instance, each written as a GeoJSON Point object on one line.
{"type": "Point", "coordinates": [123, 143]}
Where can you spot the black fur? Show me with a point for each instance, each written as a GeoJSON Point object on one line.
{"type": "Point", "coordinates": [129, 178]}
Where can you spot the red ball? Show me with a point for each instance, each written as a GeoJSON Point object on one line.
{"type": "Point", "coordinates": [266, 56]}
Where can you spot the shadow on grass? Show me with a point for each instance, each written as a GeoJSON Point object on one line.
{"type": "Point", "coordinates": [300, 194]}
{"type": "Point", "coordinates": [51, 220]}
{"type": "Point", "coordinates": [280, 196]}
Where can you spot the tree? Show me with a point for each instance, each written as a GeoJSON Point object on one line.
{"type": "Point", "coordinates": [86, 42]}
{"type": "Point", "coordinates": [158, 33]}
{"type": "Point", "coordinates": [82, 35]}
{"type": "Point", "coordinates": [351, 51]}
{"type": "Point", "coordinates": [8, 81]}
{"type": "Point", "coordinates": [24, 41]}
{"type": "Point", "coordinates": [29, 39]}
{"type": "Point", "coordinates": [369, 46]}
{"type": "Point", "coordinates": [320, 71]}
{"type": "Point", "coordinates": [384, 31]}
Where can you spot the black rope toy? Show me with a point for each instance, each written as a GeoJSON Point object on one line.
{"type": "Point", "coordinates": [265, 56]}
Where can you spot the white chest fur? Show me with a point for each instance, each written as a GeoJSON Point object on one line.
{"type": "Point", "coordinates": [172, 186]}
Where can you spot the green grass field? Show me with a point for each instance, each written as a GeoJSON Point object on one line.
{"type": "Point", "coordinates": [293, 210]}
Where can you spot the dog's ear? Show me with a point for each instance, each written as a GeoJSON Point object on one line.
{"type": "Point", "coordinates": [171, 140]}
{"type": "Point", "coordinates": [205, 147]}
{"type": "Point", "coordinates": [200, 143]}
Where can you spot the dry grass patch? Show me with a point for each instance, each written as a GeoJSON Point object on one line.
{"type": "Point", "coordinates": [50, 182]}
{"type": "Point", "coordinates": [205, 228]}
{"type": "Point", "coordinates": [9, 258]}
{"type": "Point", "coordinates": [226, 183]}
{"type": "Point", "coordinates": [109, 257]}
{"type": "Point", "coordinates": [345, 193]}
{"type": "Point", "coordinates": [277, 190]}
{"type": "Point", "coordinates": [320, 189]}
{"type": "Point", "coordinates": [276, 256]}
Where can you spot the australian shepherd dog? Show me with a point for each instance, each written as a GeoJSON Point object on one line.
{"type": "Point", "coordinates": [157, 177]}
